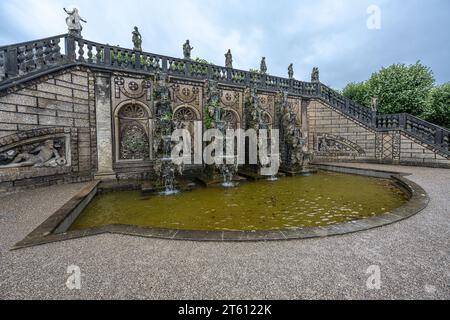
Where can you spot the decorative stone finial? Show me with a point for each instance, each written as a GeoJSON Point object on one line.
{"type": "Point", "coordinates": [291, 71]}
{"type": "Point", "coordinates": [73, 22]}
{"type": "Point", "coordinates": [263, 67]}
{"type": "Point", "coordinates": [187, 49]}
{"type": "Point", "coordinates": [315, 75]}
{"type": "Point", "coordinates": [229, 59]}
{"type": "Point", "coordinates": [137, 40]}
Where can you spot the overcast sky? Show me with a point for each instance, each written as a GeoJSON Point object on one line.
{"type": "Point", "coordinates": [332, 35]}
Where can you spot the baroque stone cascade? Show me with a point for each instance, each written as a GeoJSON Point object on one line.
{"type": "Point", "coordinates": [218, 118]}
{"type": "Point", "coordinates": [76, 110]}
{"type": "Point", "coordinates": [164, 127]}
{"type": "Point", "coordinates": [257, 119]}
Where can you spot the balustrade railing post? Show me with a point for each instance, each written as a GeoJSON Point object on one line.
{"type": "Point", "coordinates": [439, 137]}
{"type": "Point", "coordinates": [137, 63]}
{"type": "Point", "coordinates": [402, 121]}
{"type": "Point", "coordinates": [11, 65]}
{"type": "Point", "coordinates": [263, 80]}
{"type": "Point", "coordinates": [209, 75]}
{"type": "Point", "coordinates": [247, 79]}
{"type": "Point", "coordinates": [229, 74]}
{"type": "Point", "coordinates": [107, 56]}
{"type": "Point", "coordinates": [374, 119]}
{"type": "Point", "coordinates": [318, 89]}
{"type": "Point", "coordinates": [70, 48]}
{"type": "Point", "coordinates": [164, 65]}
{"type": "Point", "coordinates": [187, 70]}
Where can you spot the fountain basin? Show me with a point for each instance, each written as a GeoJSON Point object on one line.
{"type": "Point", "coordinates": [293, 208]}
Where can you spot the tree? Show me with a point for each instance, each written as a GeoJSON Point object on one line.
{"type": "Point", "coordinates": [358, 92]}
{"type": "Point", "coordinates": [438, 106]}
{"type": "Point", "coordinates": [401, 88]}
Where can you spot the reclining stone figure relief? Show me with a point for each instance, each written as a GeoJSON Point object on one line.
{"type": "Point", "coordinates": [44, 155]}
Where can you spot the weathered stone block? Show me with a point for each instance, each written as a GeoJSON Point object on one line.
{"type": "Point", "coordinates": [80, 123]}
{"type": "Point", "coordinates": [36, 111]}
{"type": "Point", "coordinates": [80, 108]}
{"type": "Point", "coordinates": [19, 100]}
{"type": "Point", "coordinates": [79, 80]}
{"type": "Point", "coordinates": [8, 126]}
{"type": "Point", "coordinates": [10, 117]}
{"type": "Point", "coordinates": [55, 105]}
{"type": "Point", "coordinates": [70, 85]}
{"type": "Point", "coordinates": [81, 94]}
{"type": "Point", "coordinates": [51, 121]}
{"type": "Point", "coordinates": [74, 115]}
{"type": "Point", "coordinates": [38, 94]}
{"type": "Point", "coordinates": [71, 99]}
{"type": "Point", "coordinates": [58, 90]}
{"type": "Point", "coordinates": [7, 107]}
{"type": "Point", "coordinates": [67, 77]}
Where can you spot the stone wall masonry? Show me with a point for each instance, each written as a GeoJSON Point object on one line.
{"type": "Point", "coordinates": [356, 141]}
{"type": "Point", "coordinates": [62, 100]}
{"type": "Point", "coordinates": [413, 152]}
{"type": "Point", "coordinates": [383, 147]}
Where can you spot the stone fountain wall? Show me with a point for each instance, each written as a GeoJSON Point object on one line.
{"type": "Point", "coordinates": [103, 122]}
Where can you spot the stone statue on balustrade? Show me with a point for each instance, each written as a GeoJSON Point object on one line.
{"type": "Point", "coordinates": [137, 40]}
{"type": "Point", "coordinates": [291, 71]}
{"type": "Point", "coordinates": [187, 49]}
{"type": "Point", "coordinates": [263, 67]}
{"type": "Point", "coordinates": [44, 155]}
{"type": "Point", "coordinates": [374, 104]}
{"type": "Point", "coordinates": [229, 59]}
{"type": "Point", "coordinates": [315, 75]}
{"type": "Point", "coordinates": [73, 22]}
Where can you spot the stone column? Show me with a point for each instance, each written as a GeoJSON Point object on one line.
{"type": "Point", "coordinates": [305, 124]}
{"type": "Point", "coordinates": [104, 127]}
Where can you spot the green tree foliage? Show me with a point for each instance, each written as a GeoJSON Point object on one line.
{"type": "Point", "coordinates": [438, 106]}
{"type": "Point", "coordinates": [404, 89]}
{"type": "Point", "coordinates": [358, 92]}
{"type": "Point", "coordinates": [401, 88]}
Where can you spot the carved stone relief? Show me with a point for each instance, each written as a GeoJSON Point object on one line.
{"type": "Point", "coordinates": [132, 88]}
{"type": "Point", "coordinates": [331, 145]}
{"type": "Point", "coordinates": [38, 152]}
{"type": "Point", "coordinates": [133, 133]}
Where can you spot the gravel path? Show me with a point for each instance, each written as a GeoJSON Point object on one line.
{"type": "Point", "coordinates": [414, 257]}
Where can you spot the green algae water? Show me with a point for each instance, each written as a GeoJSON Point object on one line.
{"type": "Point", "coordinates": [318, 200]}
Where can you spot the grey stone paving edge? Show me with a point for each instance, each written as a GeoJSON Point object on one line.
{"type": "Point", "coordinates": [54, 229]}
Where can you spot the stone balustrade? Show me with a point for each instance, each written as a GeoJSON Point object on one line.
{"type": "Point", "coordinates": [24, 61]}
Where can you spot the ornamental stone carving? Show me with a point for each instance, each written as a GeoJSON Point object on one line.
{"type": "Point", "coordinates": [133, 133]}
{"type": "Point", "coordinates": [48, 153]}
{"type": "Point", "coordinates": [331, 145]}
{"type": "Point", "coordinates": [132, 88]}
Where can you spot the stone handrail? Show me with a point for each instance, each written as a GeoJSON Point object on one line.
{"type": "Point", "coordinates": [23, 61]}
{"type": "Point", "coordinates": [422, 130]}
{"type": "Point", "coordinates": [29, 58]}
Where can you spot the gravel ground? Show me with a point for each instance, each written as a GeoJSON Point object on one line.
{"type": "Point", "coordinates": [413, 255]}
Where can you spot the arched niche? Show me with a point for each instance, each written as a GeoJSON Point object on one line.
{"type": "Point", "coordinates": [133, 127]}
{"type": "Point", "coordinates": [187, 115]}
{"type": "Point", "coordinates": [232, 117]}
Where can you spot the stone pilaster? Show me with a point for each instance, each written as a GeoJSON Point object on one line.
{"type": "Point", "coordinates": [104, 127]}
